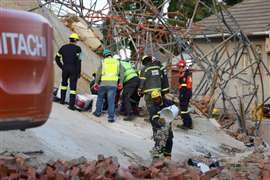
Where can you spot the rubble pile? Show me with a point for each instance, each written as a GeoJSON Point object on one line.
{"type": "Point", "coordinates": [90, 36]}
{"type": "Point", "coordinates": [255, 166]}
{"type": "Point", "coordinates": [102, 168]}
{"type": "Point", "coordinates": [227, 121]}
{"type": "Point", "coordinates": [202, 104]}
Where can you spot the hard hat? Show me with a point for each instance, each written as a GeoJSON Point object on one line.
{"type": "Point", "coordinates": [146, 57]}
{"type": "Point", "coordinates": [181, 63]}
{"type": "Point", "coordinates": [74, 36]}
{"type": "Point", "coordinates": [116, 56]}
{"type": "Point", "coordinates": [106, 52]}
{"type": "Point", "coordinates": [155, 94]}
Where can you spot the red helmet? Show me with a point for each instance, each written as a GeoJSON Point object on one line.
{"type": "Point", "coordinates": [181, 63]}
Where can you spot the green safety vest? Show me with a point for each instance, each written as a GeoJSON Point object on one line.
{"type": "Point", "coordinates": [110, 69]}
{"type": "Point", "coordinates": [129, 71]}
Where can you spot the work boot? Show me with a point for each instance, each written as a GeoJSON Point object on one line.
{"type": "Point", "coordinates": [129, 118]}
{"type": "Point", "coordinates": [72, 108]}
{"type": "Point", "coordinates": [72, 100]}
{"type": "Point", "coordinates": [111, 120]}
{"type": "Point", "coordinates": [183, 127]}
{"type": "Point", "coordinates": [63, 97]}
{"type": "Point", "coordinates": [96, 114]}
{"type": "Point", "coordinates": [122, 113]}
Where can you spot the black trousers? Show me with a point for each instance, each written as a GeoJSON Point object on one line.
{"type": "Point", "coordinates": [184, 98]}
{"type": "Point", "coordinates": [153, 110]}
{"type": "Point", "coordinates": [72, 76]}
{"type": "Point", "coordinates": [130, 88]}
{"type": "Point", "coordinates": [169, 144]}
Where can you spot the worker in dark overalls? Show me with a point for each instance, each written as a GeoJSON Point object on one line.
{"type": "Point", "coordinates": [69, 59]}
{"type": "Point", "coordinates": [185, 93]}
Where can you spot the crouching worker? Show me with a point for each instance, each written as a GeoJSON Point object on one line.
{"type": "Point", "coordinates": [162, 131]}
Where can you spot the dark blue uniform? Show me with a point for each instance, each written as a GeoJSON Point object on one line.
{"type": "Point", "coordinates": [70, 54]}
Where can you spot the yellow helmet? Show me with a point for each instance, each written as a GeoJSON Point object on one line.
{"type": "Point", "coordinates": [155, 94]}
{"type": "Point", "coordinates": [74, 36]}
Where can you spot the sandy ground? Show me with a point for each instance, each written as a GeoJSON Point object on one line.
{"type": "Point", "coordinates": [69, 135]}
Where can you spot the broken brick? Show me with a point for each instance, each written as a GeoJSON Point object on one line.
{"type": "Point", "coordinates": [14, 176]}
{"type": "Point", "coordinates": [61, 176]}
{"type": "Point", "coordinates": [124, 174]}
{"type": "Point", "coordinates": [3, 171]}
{"type": "Point", "coordinates": [154, 172]}
{"type": "Point", "coordinates": [31, 172]}
{"type": "Point", "coordinates": [159, 164]}
{"type": "Point", "coordinates": [212, 172]}
{"type": "Point", "coordinates": [50, 172]}
{"type": "Point", "coordinates": [205, 177]}
{"type": "Point", "coordinates": [265, 175]}
{"type": "Point", "coordinates": [75, 171]}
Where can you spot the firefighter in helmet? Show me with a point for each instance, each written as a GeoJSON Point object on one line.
{"type": "Point", "coordinates": [185, 93]}
{"type": "Point", "coordinates": [150, 79]}
{"type": "Point", "coordinates": [69, 59]}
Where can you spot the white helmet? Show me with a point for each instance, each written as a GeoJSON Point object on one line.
{"type": "Point", "coordinates": [116, 56]}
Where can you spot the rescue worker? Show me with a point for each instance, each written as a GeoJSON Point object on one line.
{"type": "Point", "coordinates": [109, 73]}
{"type": "Point", "coordinates": [150, 80]}
{"type": "Point", "coordinates": [185, 93]}
{"type": "Point", "coordinates": [71, 55]}
{"type": "Point", "coordinates": [162, 132]}
{"type": "Point", "coordinates": [164, 82]}
{"type": "Point", "coordinates": [131, 84]}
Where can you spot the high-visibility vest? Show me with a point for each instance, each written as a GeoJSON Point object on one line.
{"type": "Point", "coordinates": [129, 71]}
{"type": "Point", "coordinates": [185, 80]}
{"type": "Point", "coordinates": [110, 69]}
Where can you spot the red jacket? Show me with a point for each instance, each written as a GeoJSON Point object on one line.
{"type": "Point", "coordinates": [185, 79]}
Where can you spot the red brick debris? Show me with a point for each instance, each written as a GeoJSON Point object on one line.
{"type": "Point", "coordinates": [14, 168]}
{"type": "Point", "coordinates": [255, 166]}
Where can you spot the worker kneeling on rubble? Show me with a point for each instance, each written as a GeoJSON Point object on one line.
{"type": "Point", "coordinates": [71, 55]}
{"type": "Point", "coordinates": [162, 131]}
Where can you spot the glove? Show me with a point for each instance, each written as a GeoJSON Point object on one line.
{"type": "Point", "coordinates": [162, 122]}
{"type": "Point", "coordinates": [140, 92]}
{"type": "Point", "coordinates": [96, 87]}
{"type": "Point", "coordinates": [120, 86]}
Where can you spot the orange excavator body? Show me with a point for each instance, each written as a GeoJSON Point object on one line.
{"type": "Point", "coordinates": [26, 69]}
